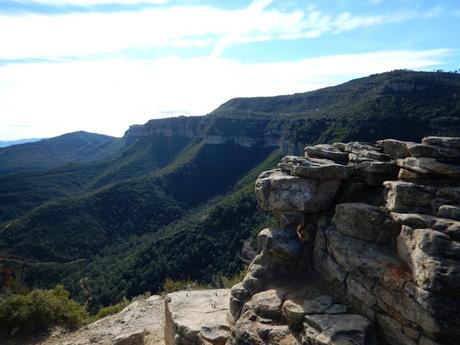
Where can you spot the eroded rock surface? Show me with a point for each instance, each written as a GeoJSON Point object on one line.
{"type": "Point", "coordinates": [377, 254]}
{"type": "Point", "coordinates": [366, 252]}
{"type": "Point", "coordinates": [140, 323]}
{"type": "Point", "coordinates": [197, 317]}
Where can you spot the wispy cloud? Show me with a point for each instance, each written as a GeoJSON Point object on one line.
{"type": "Point", "coordinates": [90, 2]}
{"type": "Point", "coordinates": [108, 96]}
{"type": "Point", "coordinates": [79, 34]}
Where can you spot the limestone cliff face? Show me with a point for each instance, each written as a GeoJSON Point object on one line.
{"type": "Point", "coordinates": [209, 130]}
{"type": "Point", "coordinates": [216, 130]}
{"type": "Point", "coordinates": [367, 249]}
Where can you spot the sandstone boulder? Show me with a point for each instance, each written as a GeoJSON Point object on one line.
{"type": "Point", "coordinates": [449, 211]}
{"type": "Point", "coordinates": [187, 312]}
{"type": "Point", "coordinates": [449, 142]}
{"type": "Point", "coordinates": [347, 329]}
{"type": "Point", "coordinates": [395, 148]}
{"type": "Point", "coordinates": [409, 197]}
{"type": "Point", "coordinates": [280, 192]}
{"type": "Point", "coordinates": [431, 151]}
{"type": "Point", "coordinates": [281, 243]}
{"type": "Point", "coordinates": [267, 304]}
{"type": "Point", "coordinates": [430, 166]}
{"type": "Point", "coordinates": [313, 168]}
{"type": "Point", "coordinates": [327, 152]}
{"type": "Point", "coordinates": [367, 150]}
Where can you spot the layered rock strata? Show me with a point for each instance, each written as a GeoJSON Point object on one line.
{"type": "Point", "coordinates": [367, 250]}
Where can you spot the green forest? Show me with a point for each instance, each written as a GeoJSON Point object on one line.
{"type": "Point", "coordinates": [126, 214]}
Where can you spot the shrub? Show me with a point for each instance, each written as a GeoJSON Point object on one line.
{"type": "Point", "coordinates": [40, 310]}
{"type": "Point", "coordinates": [228, 283]}
{"type": "Point", "coordinates": [170, 285]}
{"type": "Point", "coordinates": [110, 310]}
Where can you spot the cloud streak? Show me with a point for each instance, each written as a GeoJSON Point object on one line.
{"type": "Point", "coordinates": [86, 34]}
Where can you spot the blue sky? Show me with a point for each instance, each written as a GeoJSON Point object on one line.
{"type": "Point", "coordinates": [102, 65]}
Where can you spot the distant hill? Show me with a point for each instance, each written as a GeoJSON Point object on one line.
{"type": "Point", "coordinates": [401, 104]}
{"type": "Point", "coordinates": [17, 142]}
{"type": "Point", "coordinates": [174, 198]}
{"type": "Point", "coordinates": [80, 147]}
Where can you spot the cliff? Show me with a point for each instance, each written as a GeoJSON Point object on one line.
{"type": "Point", "coordinates": [366, 252]}
{"type": "Point", "coordinates": [401, 104]}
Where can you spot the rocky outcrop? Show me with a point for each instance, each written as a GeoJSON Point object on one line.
{"type": "Point", "coordinates": [209, 130]}
{"type": "Point", "coordinates": [366, 252]}
{"type": "Point", "coordinates": [197, 317]}
{"type": "Point", "coordinates": [367, 249]}
{"type": "Point", "coordinates": [140, 323]}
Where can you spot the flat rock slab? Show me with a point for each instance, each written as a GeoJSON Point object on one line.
{"type": "Point", "coordinates": [421, 150]}
{"type": "Point", "coordinates": [328, 152]}
{"type": "Point", "coordinates": [280, 192]}
{"type": "Point", "coordinates": [395, 148]}
{"type": "Point", "coordinates": [327, 329]}
{"type": "Point", "coordinates": [314, 168]}
{"type": "Point", "coordinates": [449, 142]}
{"type": "Point", "coordinates": [141, 322]}
{"type": "Point", "coordinates": [196, 317]}
{"type": "Point", "coordinates": [430, 166]}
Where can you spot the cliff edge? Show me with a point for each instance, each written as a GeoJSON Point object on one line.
{"type": "Point", "coordinates": [366, 252]}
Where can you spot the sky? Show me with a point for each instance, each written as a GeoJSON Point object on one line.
{"type": "Point", "coordinates": [103, 65]}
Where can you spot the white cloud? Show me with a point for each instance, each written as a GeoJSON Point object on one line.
{"type": "Point", "coordinates": [91, 2]}
{"type": "Point", "coordinates": [108, 96]}
{"type": "Point", "coordinates": [79, 34]}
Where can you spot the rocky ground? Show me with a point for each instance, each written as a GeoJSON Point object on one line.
{"type": "Point", "coordinates": [190, 317]}
{"type": "Point", "coordinates": [141, 322]}
{"type": "Point", "coordinates": [367, 250]}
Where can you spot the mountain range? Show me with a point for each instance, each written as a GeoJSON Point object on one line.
{"type": "Point", "coordinates": [114, 217]}
{"type": "Point", "coordinates": [6, 143]}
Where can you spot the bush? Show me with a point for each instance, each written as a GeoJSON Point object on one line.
{"type": "Point", "coordinates": [228, 283]}
{"type": "Point", "coordinates": [170, 285]}
{"type": "Point", "coordinates": [40, 310]}
{"type": "Point", "coordinates": [110, 310]}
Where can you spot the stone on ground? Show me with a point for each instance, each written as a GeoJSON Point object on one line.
{"type": "Point", "coordinates": [196, 317]}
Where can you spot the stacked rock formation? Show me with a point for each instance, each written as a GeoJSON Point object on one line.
{"type": "Point", "coordinates": [367, 250]}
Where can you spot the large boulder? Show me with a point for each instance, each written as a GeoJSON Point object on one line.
{"type": "Point", "coordinates": [194, 317]}
{"type": "Point", "coordinates": [281, 243]}
{"type": "Point", "coordinates": [449, 142]}
{"type": "Point", "coordinates": [314, 168]}
{"type": "Point", "coordinates": [430, 166]}
{"type": "Point", "coordinates": [431, 151]}
{"type": "Point", "coordinates": [347, 329]}
{"type": "Point", "coordinates": [280, 192]}
{"type": "Point", "coordinates": [409, 197]}
{"type": "Point", "coordinates": [328, 152]}
{"type": "Point", "coordinates": [395, 148]}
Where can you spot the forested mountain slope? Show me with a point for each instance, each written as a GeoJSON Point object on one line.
{"type": "Point", "coordinates": [50, 153]}
{"type": "Point", "coordinates": [173, 198]}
